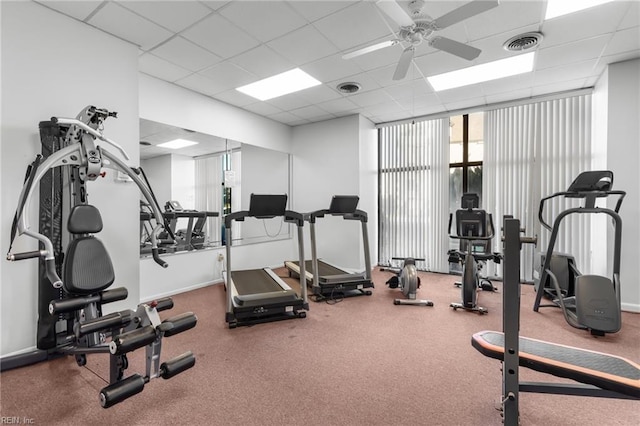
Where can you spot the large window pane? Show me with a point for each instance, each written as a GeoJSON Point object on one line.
{"type": "Point", "coordinates": [474, 179]}
{"type": "Point", "coordinates": [455, 139]}
{"type": "Point", "coordinates": [455, 188]}
{"type": "Point", "coordinates": [476, 138]}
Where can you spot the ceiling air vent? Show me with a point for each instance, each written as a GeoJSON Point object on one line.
{"type": "Point", "coordinates": [522, 42]}
{"type": "Point", "coordinates": [349, 87]}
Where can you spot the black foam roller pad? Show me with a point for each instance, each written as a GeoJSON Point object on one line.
{"type": "Point", "coordinates": [177, 365]}
{"type": "Point", "coordinates": [119, 391]}
{"type": "Point", "coordinates": [182, 322]}
{"type": "Point", "coordinates": [132, 340]}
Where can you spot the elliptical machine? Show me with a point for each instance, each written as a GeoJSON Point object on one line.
{"type": "Point", "coordinates": [408, 281]}
{"type": "Point", "coordinates": [474, 229]}
{"type": "Point", "coordinates": [589, 302]}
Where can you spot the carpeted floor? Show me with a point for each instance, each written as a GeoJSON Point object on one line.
{"type": "Point", "coordinates": [363, 361]}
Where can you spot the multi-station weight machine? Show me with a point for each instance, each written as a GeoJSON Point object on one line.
{"type": "Point", "coordinates": [74, 285]}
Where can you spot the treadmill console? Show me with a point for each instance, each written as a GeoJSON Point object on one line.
{"type": "Point", "coordinates": [343, 204]}
{"type": "Point", "coordinates": [264, 206]}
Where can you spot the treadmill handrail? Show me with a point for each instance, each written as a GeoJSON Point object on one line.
{"type": "Point", "coordinates": [356, 215]}
{"type": "Point", "coordinates": [289, 216]}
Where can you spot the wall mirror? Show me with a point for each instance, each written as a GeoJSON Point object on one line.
{"type": "Point", "coordinates": [198, 178]}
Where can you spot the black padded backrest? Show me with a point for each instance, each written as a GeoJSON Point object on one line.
{"type": "Point", "coordinates": [471, 222]}
{"type": "Point", "coordinates": [87, 267]}
{"type": "Point", "coordinates": [84, 219]}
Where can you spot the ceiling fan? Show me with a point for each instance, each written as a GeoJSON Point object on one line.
{"type": "Point", "coordinates": [419, 27]}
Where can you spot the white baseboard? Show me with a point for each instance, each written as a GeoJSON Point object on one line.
{"type": "Point", "coordinates": [181, 290]}
{"type": "Point", "coordinates": [630, 307]}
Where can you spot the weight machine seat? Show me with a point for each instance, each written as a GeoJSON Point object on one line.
{"type": "Point", "coordinates": [87, 267]}
{"type": "Point", "coordinates": [609, 372]}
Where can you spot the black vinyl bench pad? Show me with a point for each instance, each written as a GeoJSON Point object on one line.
{"type": "Point", "coordinates": [605, 371]}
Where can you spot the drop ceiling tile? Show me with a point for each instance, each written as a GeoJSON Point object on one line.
{"type": "Point", "coordinates": [215, 4]}
{"type": "Point", "coordinates": [263, 62]}
{"type": "Point", "coordinates": [331, 68]}
{"type": "Point", "coordinates": [338, 106]}
{"type": "Point", "coordinates": [219, 36]}
{"type": "Point", "coordinates": [312, 113]}
{"type": "Point", "coordinates": [460, 93]}
{"type": "Point", "coordinates": [173, 15]}
{"type": "Point", "coordinates": [353, 26]}
{"type": "Point", "coordinates": [125, 24]}
{"type": "Point", "coordinates": [384, 76]}
{"type": "Point", "coordinates": [291, 101]}
{"type": "Point", "coordinates": [264, 20]}
{"type": "Point", "coordinates": [233, 97]}
{"type": "Point", "coordinates": [409, 89]}
{"type": "Point", "coordinates": [620, 57]}
{"type": "Point", "coordinates": [313, 10]}
{"type": "Point", "coordinates": [507, 84]}
{"type": "Point", "coordinates": [623, 41]}
{"type": "Point", "coordinates": [227, 76]}
{"type": "Point", "coordinates": [509, 15]}
{"type": "Point", "coordinates": [199, 83]}
{"type": "Point", "coordinates": [580, 70]}
{"type": "Point", "coordinates": [370, 98]}
{"type": "Point", "coordinates": [632, 17]}
{"type": "Point", "coordinates": [418, 102]}
{"type": "Point", "coordinates": [303, 45]}
{"type": "Point", "coordinates": [439, 62]}
{"type": "Point", "coordinates": [76, 9]}
{"type": "Point", "coordinates": [287, 118]}
{"type": "Point", "coordinates": [508, 96]}
{"type": "Point", "coordinates": [158, 67]}
{"type": "Point", "coordinates": [321, 93]}
{"type": "Point", "coordinates": [186, 54]}
{"type": "Point", "coordinates": [556, 87]}
{"type": "Point", "coordinates": [568, 53]}
{"type": "Point", "coordinates": [492, 49]}
{"type": "Point", "coordinates": [262, 108]}
{"type": "Point", "coordinates": [587, 23]}
{"type": "Point", "coordinates": [465, 103]}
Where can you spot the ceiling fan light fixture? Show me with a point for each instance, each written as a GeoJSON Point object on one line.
{"type": "Point", "coordinates": [349, 87]}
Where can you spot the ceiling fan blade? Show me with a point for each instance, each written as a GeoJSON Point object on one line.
{"type": "Point", "coordinates": [369, 49]}
{"type": "Point", "coordinates": [463, 12]}
{"type": "Point", "coordinates": [395, 12]}
{"type": "Point", "coordinates": [455, 48]}
{"type": "Point", "coordinates": [403, 63]}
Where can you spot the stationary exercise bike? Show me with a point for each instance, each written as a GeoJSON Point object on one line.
{"type": "Point", "coordinates": [408, 281]}
{"type": "Point", "coordinates": [474, 229]}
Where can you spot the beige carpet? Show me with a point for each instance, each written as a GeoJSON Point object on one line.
{"type": "Point", "coordinates": [363, 361]}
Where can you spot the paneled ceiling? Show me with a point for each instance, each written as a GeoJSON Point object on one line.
{"type": "Point", "coordinates": [212, 47]}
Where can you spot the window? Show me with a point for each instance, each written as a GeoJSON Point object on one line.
{"type": "Point", "coordinates": [466, 152]}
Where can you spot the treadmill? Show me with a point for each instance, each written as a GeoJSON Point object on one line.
{"type": "Point", "coordinates": [259, 295]}
{"type": "Point", "coordinates": [327, 281]}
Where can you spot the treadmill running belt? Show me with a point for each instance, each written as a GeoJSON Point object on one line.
{"type": "Point", "coordinates": [324, 268]}
{"type": "Point", "coordinates": [254, 281]}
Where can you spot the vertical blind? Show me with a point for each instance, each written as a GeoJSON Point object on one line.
{"type": "Point", "coordinates": [414, 197]}
{"type": "Point", "coordinates": [533, 151]}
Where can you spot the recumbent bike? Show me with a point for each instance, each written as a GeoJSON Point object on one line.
{"type": "Point", "coordinates": [474, 229]}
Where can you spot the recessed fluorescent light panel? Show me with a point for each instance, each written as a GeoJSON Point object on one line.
{"type": "Point", "coordinates": [557, 8]}
{"type": "Point", "coordinates": [177, 144]}
{"type": "Point", "coordinates": [485, 72]}
{"type": "Point", "coordinates": [278, 85]}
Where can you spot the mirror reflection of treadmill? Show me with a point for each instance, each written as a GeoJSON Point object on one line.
{"type": "Point", "coordinates": [331, 281]}
{"type": "Point", "coordinates": [260, 295]}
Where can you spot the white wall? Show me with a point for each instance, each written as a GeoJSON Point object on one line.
{"type": "Point", "coordinates": [183, 181]}
{"type": "Point", "coordinates": [53, 65]}
{"type": "Point", "coordinates": [369, 181]}
{"type": "Point", "coordinates": [623, 154]}
{"type": "Point", "coordinates": [327, 159]}
{"type": "Point", "coordinates": [158, 172]}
